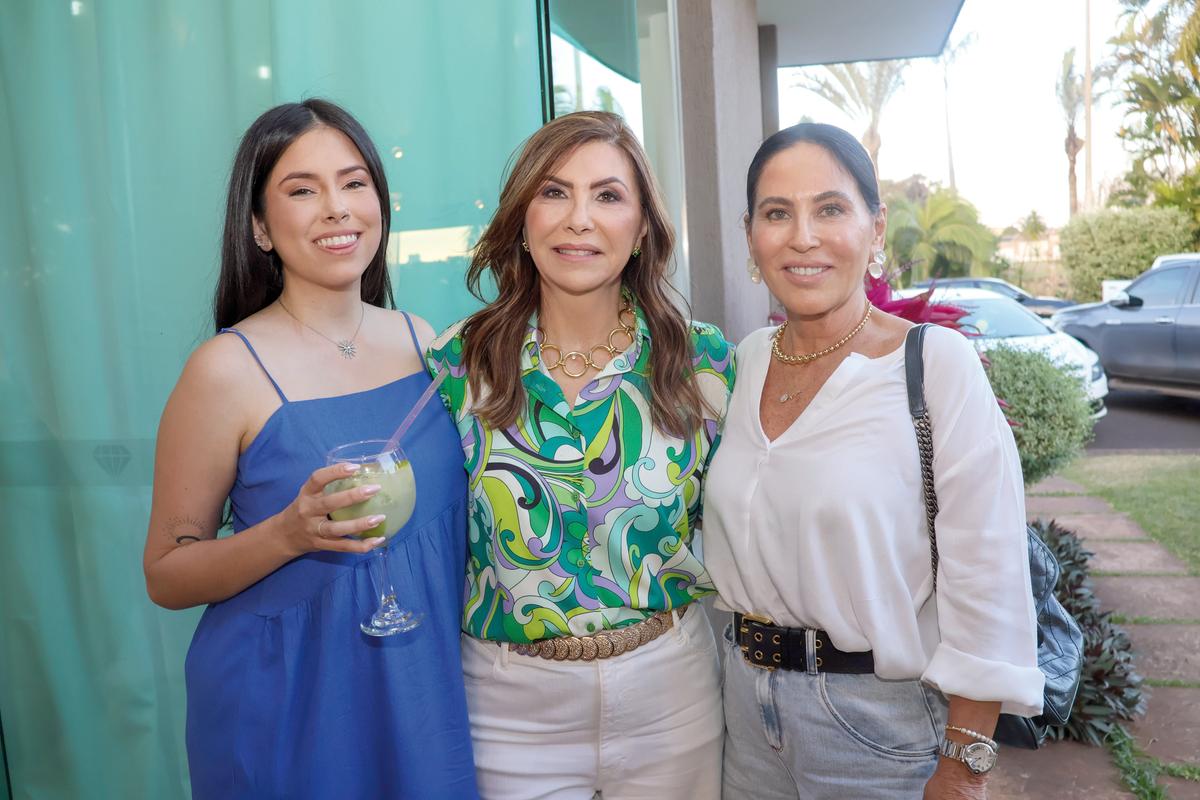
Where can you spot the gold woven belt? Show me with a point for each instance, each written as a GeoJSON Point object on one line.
{"type": "Point", "coordinates": [604, 644]}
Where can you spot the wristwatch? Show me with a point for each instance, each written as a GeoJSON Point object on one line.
{"type": "Point", "coordinates": [978, 756]}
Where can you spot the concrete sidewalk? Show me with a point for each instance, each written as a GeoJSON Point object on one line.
{"type": "Point", "coordinates": [1142, 581]}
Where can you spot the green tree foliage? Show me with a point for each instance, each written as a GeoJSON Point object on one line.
{"type": "Point", "coordinates": [860, 91]}
{"type": "Point", "coordinates": [1156, 68]}
{"type": "Point", "coordinates": [1118, 243]}
{"type": "Point", "coordinates": [1047, 406]}
{"type": "Point", "coordinates": [940, 235]}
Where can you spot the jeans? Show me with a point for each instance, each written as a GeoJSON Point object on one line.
{"type": "Point", "coordinates": [644, 725]}
{"type": "Point", "coordinates": [826, 736]}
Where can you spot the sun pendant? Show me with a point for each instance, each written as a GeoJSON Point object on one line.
{"type": "Point", "coordinates": [348, 349]}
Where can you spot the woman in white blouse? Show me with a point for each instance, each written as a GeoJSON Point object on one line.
{"type": "Point", "coordinates": [844, 677]}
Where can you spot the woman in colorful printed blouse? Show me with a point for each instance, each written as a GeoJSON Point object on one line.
{"type": "Point", "coordinates": [844, 676]}
{"type": "Point", "coordinates": [588, 409]}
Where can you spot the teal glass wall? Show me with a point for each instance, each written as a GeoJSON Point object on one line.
{"type": "Point", "coordinates": [118, 123]}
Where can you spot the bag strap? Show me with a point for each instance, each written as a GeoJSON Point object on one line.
{"type": "Point", "coordinates": [914, 376]}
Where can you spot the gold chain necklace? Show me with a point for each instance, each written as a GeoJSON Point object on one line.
{"type": "Point", "coordinates": [584, 359]}
{"type": "Point", "coordinates": [347, 346]}
{"type": "Point", "coordinates": [804, 358]}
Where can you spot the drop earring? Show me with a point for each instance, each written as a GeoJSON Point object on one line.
{"type": "Point", "coordinates": [525, 246]}
{"type": "Point", "coordinates": [755, 272]}
{"type": "Point", "coordinates": [875, 267]}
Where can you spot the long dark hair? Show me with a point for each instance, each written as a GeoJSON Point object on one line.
{"type": "Point", "coordinates": [837, 142]}
{"type": "Point", "coordinates": [250, 279]}
{"type": "Point", "coordinates": [492, 337]}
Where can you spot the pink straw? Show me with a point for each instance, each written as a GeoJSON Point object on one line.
{"type": "Point", "coordinates": [416, 410]}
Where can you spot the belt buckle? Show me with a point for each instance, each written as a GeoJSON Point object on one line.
{"type": "Point", "coordinates": [744, 630]}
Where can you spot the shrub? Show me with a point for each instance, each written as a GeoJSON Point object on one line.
{"type": "Point", "coordinates": [1047, 406]}
{"type": "Point", "coordinates": [1119, 243]}
{"type": "Point", "coordinates": [1109, 689]}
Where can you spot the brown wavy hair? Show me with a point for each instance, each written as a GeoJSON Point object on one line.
{"type": "Point", "coordinates": [493, 336]}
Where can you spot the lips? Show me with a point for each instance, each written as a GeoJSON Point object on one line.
{"type": "Point", "coordinates": [805, 272]}
{"type": "Point", "coordinates": [576, 251]}
{"type": "Point", "coordinates": [339, 242]}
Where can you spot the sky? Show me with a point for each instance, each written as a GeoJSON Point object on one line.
{"type": "Point", "coordinates": [1006, 123]}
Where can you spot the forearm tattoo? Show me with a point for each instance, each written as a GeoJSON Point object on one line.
{"type": "Point", "coordinates": [185, 529]}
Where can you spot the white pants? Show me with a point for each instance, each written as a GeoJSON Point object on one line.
{"type": "Point", "coordinates": [646, 724]}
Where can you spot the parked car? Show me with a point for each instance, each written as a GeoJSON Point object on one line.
{"type": "Point", "coordinates": [1176, 258]}
{"type": "Point", "coordinates": [995, 320]}
{"type": "Point", "coordinates": [1148, 336]}
{"type": "Point", "coordinates": [1042, 306]}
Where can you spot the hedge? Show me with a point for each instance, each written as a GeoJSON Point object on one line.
{"type": "Point", "coordinates": [1047, 406]}
{"type": "Point", "coordinates": [1119, 243]}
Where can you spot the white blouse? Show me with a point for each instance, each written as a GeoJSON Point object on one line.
{"type": "Point", "coordinates": [825, 526]}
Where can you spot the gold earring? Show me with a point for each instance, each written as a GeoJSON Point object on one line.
{"type": "Point", "coordinates": [637, 251]}
{"type": "Point", "coordinates": [755, 272]}
{"type": "Point", "coordinates": [525, 245]}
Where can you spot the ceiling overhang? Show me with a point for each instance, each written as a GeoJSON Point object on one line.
{"type": "Point", "coordinates": [808, 32]}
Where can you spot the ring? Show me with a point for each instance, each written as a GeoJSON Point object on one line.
{"type": "Point", "coordinates": [320, 526]}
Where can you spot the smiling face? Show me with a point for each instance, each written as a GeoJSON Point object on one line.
{"type": "Point", "coordinates": [810, 232]}
{"type": "Point", "coordinates": [585, 220]}
{"type": "Point", "coordinates": [321, 210]}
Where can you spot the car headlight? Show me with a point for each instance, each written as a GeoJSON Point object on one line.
{"type": "Point", "coordinates": [1097, 371]}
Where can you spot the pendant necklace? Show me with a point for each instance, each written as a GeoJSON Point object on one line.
{"type": "Point", "coordinates": [347, 347]}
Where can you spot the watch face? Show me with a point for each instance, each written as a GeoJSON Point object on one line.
{"type": "Point", "coordinates": [979, 757]}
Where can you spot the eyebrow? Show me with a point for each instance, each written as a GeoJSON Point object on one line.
{"type": "Point", "coordinates": [597, 184]}
{"type": "Point", "coordinates": [308, 176]}
{"type": "Point", "coordinates": [832, 194]}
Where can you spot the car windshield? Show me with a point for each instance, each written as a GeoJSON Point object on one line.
{"type": "Point", "coordinates": [998, 319]}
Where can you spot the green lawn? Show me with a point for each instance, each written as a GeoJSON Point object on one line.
{"type": "Point", "coordinates": [1160, 492]}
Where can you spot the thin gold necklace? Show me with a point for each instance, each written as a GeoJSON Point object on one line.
{"type": "Point", "coordinates": [804, 358]}
{"type": "Point", "coordinates": [347, 346]}
{"type": "Point", "coordinates": [584, 359]}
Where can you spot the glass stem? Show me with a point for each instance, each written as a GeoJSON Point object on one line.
{"type": "Point", "coordinates": [383, 579]}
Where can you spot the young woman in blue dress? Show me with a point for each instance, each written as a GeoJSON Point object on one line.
{"type": "Point", "coordinates": [286, 696]}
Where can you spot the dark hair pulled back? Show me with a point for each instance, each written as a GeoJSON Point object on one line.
{"type": "Point", "coordinates": [837, 142]}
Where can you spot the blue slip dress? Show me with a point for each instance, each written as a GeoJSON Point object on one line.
{"type": "Point", "coordinates": [286, 697]}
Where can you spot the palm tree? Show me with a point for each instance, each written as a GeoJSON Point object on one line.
{"type": "Point", "coordinates": [948, 57]}
{"type": "Point", "coordinates": [1070, 94]}
{"type": "Point", "coordinates": [1189, 43]}
{"type": "Point", "coordinates": [860, 91]}
{"type": "Point", "coordinates": [941, 237]}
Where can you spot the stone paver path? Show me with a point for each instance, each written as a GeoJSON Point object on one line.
{"type": "Point", "coordinates": [1136, 556]}
{"type": "Point", "coordinates": [1141, 581]}
{"type": "Point", "coordinates": [1112, 525]}
{"type": "Point", "coordinates": [1161, 597]}
{"type": "Point", "coordinates": [1041, 506]}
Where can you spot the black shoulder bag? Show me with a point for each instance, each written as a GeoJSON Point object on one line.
{"type": "Point", "coordinates": [1060, 642]}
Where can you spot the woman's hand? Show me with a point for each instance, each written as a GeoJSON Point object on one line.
{"type": "Point", "coordinates": [953, 781]}
{"type": "Point", "coordinates": [305, 525]}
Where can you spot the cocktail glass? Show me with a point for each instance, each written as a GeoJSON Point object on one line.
{"type": "Point", "coordinates": [393, 472]}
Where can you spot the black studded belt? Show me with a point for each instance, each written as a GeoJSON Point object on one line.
{"type": "Point", "coordinates": [769, 646]}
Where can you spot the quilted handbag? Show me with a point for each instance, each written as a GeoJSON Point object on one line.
{"type": "Point", "coordinates": [1059, 640]}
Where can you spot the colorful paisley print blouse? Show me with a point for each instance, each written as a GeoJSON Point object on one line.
{"type": "Point", "coordinates": [582, 519]}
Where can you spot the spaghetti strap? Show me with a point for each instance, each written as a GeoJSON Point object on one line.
{"type": "Point", "coordinates": [413, 331]}
{"type": "Point", "coordinates": [262, 366]}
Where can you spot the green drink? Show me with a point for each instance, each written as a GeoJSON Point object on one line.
{"type": "Point", "coordinates": [384, 464]}
{"type": "Point", "coordinates": [395, 499]}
